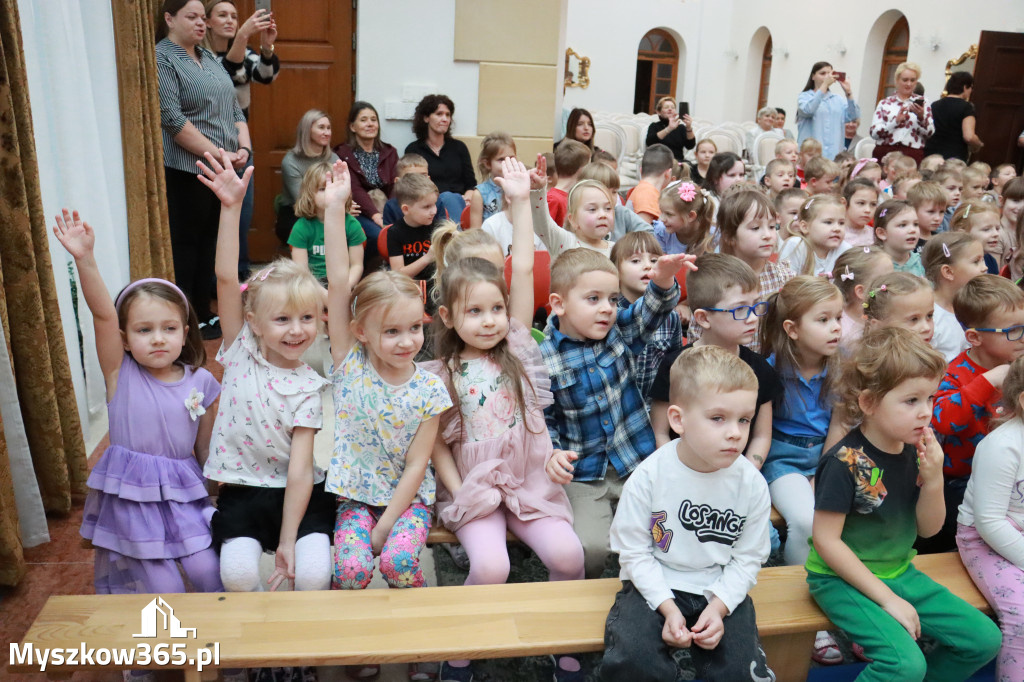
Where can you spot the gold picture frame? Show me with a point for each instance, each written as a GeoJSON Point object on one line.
{"type": "Point", "coordinates": [581, 77]}
{"type": "Point", "coordinates": [972, 53]}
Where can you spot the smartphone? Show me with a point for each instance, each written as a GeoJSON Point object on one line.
{"type": "Point", "coordinates": [839, 75]}
{"type": "Point", "coordinates": [919, 101]}
{"type": "Point", "coordinates": [263, 4]}
{"type": "Point", "coordinates": [684, 109]}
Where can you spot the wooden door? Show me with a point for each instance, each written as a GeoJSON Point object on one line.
{"type": "Point", "coordinates": [316, 46]}
{"type": "Point", "coordinates": [998, 96]}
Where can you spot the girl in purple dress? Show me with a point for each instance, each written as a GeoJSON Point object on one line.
{"type": "Point", "coordinates": [147, 510]}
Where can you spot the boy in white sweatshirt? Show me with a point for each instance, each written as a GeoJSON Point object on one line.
{"type": "Point", "coordinates": [691, 531]}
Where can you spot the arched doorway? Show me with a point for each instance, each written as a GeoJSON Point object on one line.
{"type": "Point", "coordinates": [657, 63]}
{"type": "Point", "coordinates": [766, 74]}
{"type": "Point", "coordinates": [894, 54]}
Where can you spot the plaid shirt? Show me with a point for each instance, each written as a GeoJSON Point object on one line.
{"type": "Point", "coordinates": [667, 338]}
{"type": "Point", "coordinates": [598, 411]}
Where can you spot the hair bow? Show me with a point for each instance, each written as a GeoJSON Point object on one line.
{"type": "Point", "coordinates": [847, 275]}
{"type": "Point", "coordinates": [860, 165]}
{"type": "Point", "coordinates": [945, 251]}
{"type": "Point", "coordinates": [882, 214]}
{"type": "Point", "coordinates": [827, 275]}
{"type": "Point", "coordinates": [687, 191]}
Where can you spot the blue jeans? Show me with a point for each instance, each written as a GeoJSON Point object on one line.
{"type": "Point", "coordinates": [635, 651]}
{"type": "Point", "coordinates": [372, 232]}
{"type": "Point", "coordinates": [453, 205]}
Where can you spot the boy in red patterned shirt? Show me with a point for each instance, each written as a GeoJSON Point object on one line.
{"type": "Point", "coordinates": [991, 308]}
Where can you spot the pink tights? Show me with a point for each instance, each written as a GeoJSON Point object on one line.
{"type": "Point", "coordinates": [552, 539]}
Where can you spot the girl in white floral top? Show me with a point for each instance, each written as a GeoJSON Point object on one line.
{"type": "Point", "coordinates": [272, 495]}
{"type": "Point", "coordinates": [491, 455]}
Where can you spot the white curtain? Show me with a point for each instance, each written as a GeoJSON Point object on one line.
{"type": "Point", "coordinates": [72, 78]}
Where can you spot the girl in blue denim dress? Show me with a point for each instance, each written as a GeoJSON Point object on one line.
{"type": "Point", "coordinates": [487, 198]}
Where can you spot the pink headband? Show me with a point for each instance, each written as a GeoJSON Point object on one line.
{"type": "Point", "coordinates": [860, 165]}
{"type": "Point", "coordinates": [149, 280]}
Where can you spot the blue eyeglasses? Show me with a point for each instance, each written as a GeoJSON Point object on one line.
{"type": "Point", "coordinates": [742, 312]}
{"type": "Point", "coordinates": [1013, 333]}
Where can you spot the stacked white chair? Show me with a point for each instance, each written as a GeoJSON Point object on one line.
{"type": "Point", "coordinates": [865, 148]}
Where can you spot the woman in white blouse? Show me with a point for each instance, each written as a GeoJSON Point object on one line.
{"type": "Point", "coordinates": [903, 121]}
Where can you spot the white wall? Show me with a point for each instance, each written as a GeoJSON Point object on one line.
{"type": "Point", "coordinates": [717, 77]}
{"type": "Point", "coordinates": [405, 50]}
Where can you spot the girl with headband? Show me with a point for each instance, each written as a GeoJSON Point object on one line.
{"type": "Point", "coordinates": [148, 510]}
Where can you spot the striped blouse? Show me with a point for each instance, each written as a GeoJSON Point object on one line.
{"type": "Point", "coordinates": [198, 93]}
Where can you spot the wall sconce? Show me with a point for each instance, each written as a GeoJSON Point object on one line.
{"type": "Point", "coordinates": [780, 52]}
{"type": "Point", "coordinates": [578, 77]}
{"type": "Point", "coordinates": [732, 54]}
{"type": "Point", "coordinates": [933, 43]}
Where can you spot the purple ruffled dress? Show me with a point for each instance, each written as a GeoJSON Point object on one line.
{"type": "Point", "coordinates": [147, 497]}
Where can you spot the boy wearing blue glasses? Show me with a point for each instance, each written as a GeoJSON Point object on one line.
{"type": "Point", "coordinates": [991, 310]}
{"type": "Point", "coordinates": [723, 295]}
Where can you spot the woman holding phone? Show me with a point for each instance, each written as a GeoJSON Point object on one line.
{"type": "Point", "coordinates": [672, 129]}
{"type": "Point", "coordinates": [823, 114]}
{"type": "Point", "coordinates": [903, 121]}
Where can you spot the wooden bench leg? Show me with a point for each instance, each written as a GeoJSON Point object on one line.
{"type": "Point", "coordinates": [789, 656]}
{"type": "Point", "coordinates": [196, 676]}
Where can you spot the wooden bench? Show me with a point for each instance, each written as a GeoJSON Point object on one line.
{"type": "Point", "coordinates": [436, 623]}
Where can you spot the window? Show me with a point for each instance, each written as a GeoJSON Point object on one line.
{"type": "Point", "coordinates": [657, 60]}
{"type": "Point", "coordinates": [895, 54]}
{"type": "Point", "coordinates": [766, 74]}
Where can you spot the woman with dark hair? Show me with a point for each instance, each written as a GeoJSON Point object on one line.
{"type": "Point", "coordinates": [580, 127]}
{"type": "Point", "coordinates": [448, 161]}
{"type": "Point", "coordinates": [371, 164]}
{"type": "Point", "coordinates": [199, 113]}
{"type": "Point", "coordinates": [822, 114]}
{"type": "Point", "coordinates": [954, 120]}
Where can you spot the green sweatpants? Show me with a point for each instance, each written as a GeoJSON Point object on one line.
{"type": "Point", "coordinates": [967, 638]}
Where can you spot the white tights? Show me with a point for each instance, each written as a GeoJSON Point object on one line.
{"type": "Point", "coordinates": [240, 564]}
{"type": "Point", "coordinates": [793, 496]}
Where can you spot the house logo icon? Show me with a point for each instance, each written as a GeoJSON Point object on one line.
{"type": "Point", "coordinates": [158, 615]}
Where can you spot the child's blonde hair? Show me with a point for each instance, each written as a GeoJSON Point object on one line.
{"type": "Point", "coordinates": [451, 245]}
{"type": "Point", "coordinates": [820, 167]}
{"type": "Point", "coordinates": [408, 162]}
{"type": "Point", "coordinates": [776, 164]}
{"type": "Point", "coordinates": [983, 167]}
{"type": "Point", "coordinates": [284, 278]}
{"type": "Point", "coordinates": [887, 288]}
{"type": "Point", "coordinates": [733, 210]}
{"type": "Point", "coordinates": [413, 187]}
{"type": "Point", "coordinates": [968, 211]}
{"type": "Point", "coordinates": [944, 249]}
{"type": "Point", "coordinates": [927, 193]}
{"type": "Point", "coordinates": [489, 148]}
{"type": "Point", "coordinates": [782, 144]}
{"type": "Point", "coordinates": [576, 198]}
{"type": "Point", "coordinates": [852, 268]}
{"type": "Point", "coordinates": [1013, 386]}
{"type": "Point", "coordinates": [791, 302]}
{"type": "Point", "coordinates": [570, 265]}
{"type": "Point", "coordinates": [853, 171]}
{"type": "Point", "coordinates": [314, 177]}
{"type": "Point", "coordinates": [885, 358]}
{"type": "Point", "coordinates": [902, 166]}
{"type": "Point", "coordinates": [810, 146]}
{"type": "Point", "coordinates": [641, 241]}
{"type": "Point", "coordinates": [701, 369]}
{"type": "Point", "coordinates": [972, 174]}
{"type": "Point", "coordinates": [903, 179]}
{"type": "Point", "coordinates": [809, 212]}
{"type": "Point", "coordinates": [379, 291]}
{"type": "Point", "coordinates": [984, 296]}
{"type": "Point", "coordinates": [685, 196]}
{"type": "Point", "coordinates": [785, 195]}
{"type": "Point", "coordinates": [603, 173]}
{"type": "Point", "coordinates": [706, 141]}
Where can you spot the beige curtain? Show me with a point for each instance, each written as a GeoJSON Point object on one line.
{"type": "Point", "coordinates": [29, 313]}
{"type": "Point", "coordinates": [149, 237]}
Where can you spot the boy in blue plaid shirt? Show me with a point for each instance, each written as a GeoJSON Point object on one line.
{"type": "Point", "coordinates": [599, 416]}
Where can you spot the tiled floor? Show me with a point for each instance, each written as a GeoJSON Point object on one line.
{"type": "Point", "coordinates": [63, 566]}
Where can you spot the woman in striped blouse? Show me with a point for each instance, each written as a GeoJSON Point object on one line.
{"type": "Point", "coordinates": [199, 113]}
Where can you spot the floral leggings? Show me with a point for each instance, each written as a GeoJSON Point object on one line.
{"type": "Point", "coordinates": [400, 556]}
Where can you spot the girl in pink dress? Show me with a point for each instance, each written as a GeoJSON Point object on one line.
{"type": "Point", "coordinates": [494, 443]}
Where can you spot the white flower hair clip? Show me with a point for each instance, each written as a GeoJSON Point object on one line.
{"type": "Point", "coordinates": [194, 404]}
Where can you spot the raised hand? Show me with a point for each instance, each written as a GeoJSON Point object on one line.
{"type": "Point", "coordinates": [515, 180]}
{"type": "Point", "coordinates": [269, 34]}
{"type": "Point", "coordinates": [339, 186]}
{"type": "Point", "coordinates": [259, 21]}
{"type": "Point", "coordinates": [667, 266]}
{"type": "Point", "coordinates": [539, 173]}
{"type": "Point", "coordinates": [929, 457]}
{"type": "Point", "coordinates": [222, 179]}
{"type": "Point", "coordinates": [74, 234]}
